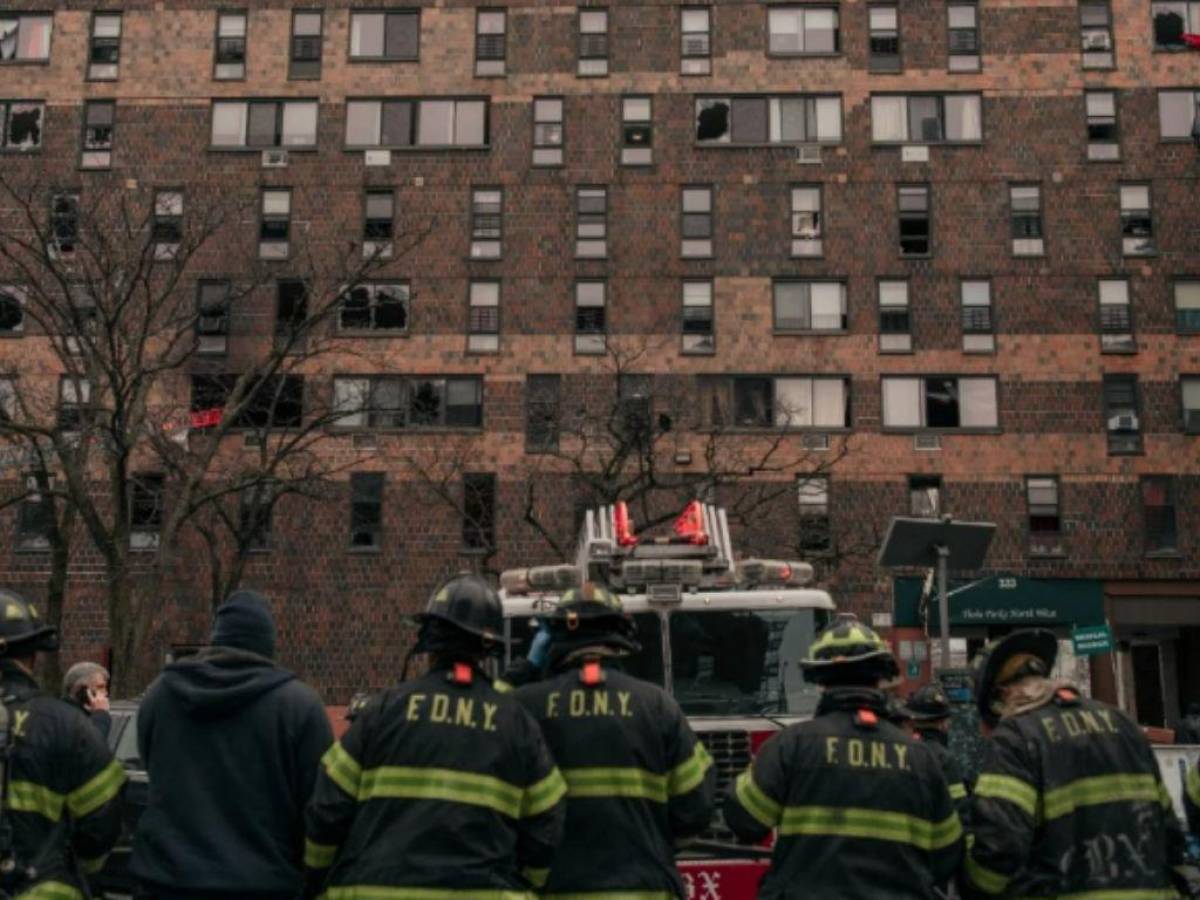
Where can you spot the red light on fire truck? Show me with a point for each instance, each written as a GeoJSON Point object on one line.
{"type": "Point", "coordinates": [690, 524]}
{"type": "Point", "coordinates": [539, 578]}
{"type": "Point", "coordinates": [773, 571]}
{"type": "Point", "coordinates": [623, 526]}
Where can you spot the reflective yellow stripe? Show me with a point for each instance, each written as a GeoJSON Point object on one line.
{"type": "Point", "coordinates": [92, 866]}
{"type": "Point", "coordinates": [1063, 801]}
{"type": "Point", "coordinates": [1131, 894]}
{"type": "Point", "coordinates": [616, 781]}
{"type": "Point", "coordinates": [612, 895]}
{"type": "Point", "coordinates": [984, 878]}
{"type": "Point", "coordinates": [342, 769]}
{"type": "Point", "coordinates": [500, 686]}
{"type": "Point", "coordinates": [871, 823]}
{"type": "Point", "coordinates": [544, 795]}
{"type": "Point", "coordinates": [319, 856]}
{"type": "Point", "coordinates": [379, 892]}
{"type": "Point", "coordinates": [536, 877]}
{"type": "Point", "coordinates": [992, 786]}
{"type": "Point", "coordinates": [958, 791]}
{"type": "Point", "coordinates": [420, 783]}
{"type": "Point", "coordinates": [1193, 785]}
{"type": "Point", "coordinates": [105, 785]}
{"type": "Point", "coordinates": [756, 802]}
{"type": "Point", "coordinates": [25, 796]}
{"type": "Point", "coordinates": [689, 774]}
{"type": "Point", "coordinates": [51, 890]}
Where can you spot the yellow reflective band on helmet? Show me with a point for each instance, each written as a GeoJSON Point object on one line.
{"type": "Point", "coordinates": [25, 796]}
{"type": "Point", "coordinates": [421, 783]}
{"type": "Point", "coordinates": [688, 775]}
{"type": "Point", "coordinates": [536, 877]}
{"type": "Point", "coordinates": [500, 686]}
{"type": "Point", "coordinates": [1100, 789]}
{"type": "Point", "coordinates": [755, 802]}
{"type": "Point", "coordinates": [1024, 796]}
{"type": "Point", "coordinates": [319, 856]}
{"type": "Point", "coordinates": [51, 890]}
{"type": "Point", "coordinates": [612, 895]}
{"type": "Point", "coordinates": [543, 795]}
{"type": "Point", "coordinates": [92, 866]}
{"type": "Point", "coordinates": [984, 878]}
{"type": "Point", "coordinates": [1193, 785]}
{"type": "Point", "coordinates": [380, 892]}
{"type": "Point", "coordinates": [98, 791]}
{"type": "Point", "coordinates": [871, 823]}
{"type": "Point", "coordinates": [846, 635]}
{"type": "Point", "coordinates": [958, 791]}
{"type": "Point", "coordinates": [342, 769]}
{"type": "Point", "coordinates": [616, 781]}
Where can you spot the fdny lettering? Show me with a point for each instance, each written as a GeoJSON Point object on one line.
{"type": "Point", "coordinates": [857, 753]}
{"type": "Point", "coordinates": [1078, 724]}
{"type": "Point", "coordinates": [584, 704]}
{"type": "Point", "coordinates": [446, 710]}
{"type": "Point", "coordinates": [20, 721]}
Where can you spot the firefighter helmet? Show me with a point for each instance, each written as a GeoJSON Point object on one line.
{"type": "Point", "coordinates": [590, 601]}
{"type": "Point", "coordinates": [590, 614]}
{"type": "Point", "coordinates": [848, 652]}
{"type": "Point", "coordinates": [469, 604]}
{"type": "Point", "coordinates": [21, 628]}
{"type": "Point", "coordinates": [1020, 654]}
{"type": "Point", "coordinates": [928, 703]}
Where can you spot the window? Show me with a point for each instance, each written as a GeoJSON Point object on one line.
{"type": "Point", "coordinates": [752, 121]}
{"type": "Point", "coordinates": [915, 230]}
{"type": "Point", "coordinates": [25, 38]}
{"type": "Point", "coordinates": [1103, 137]}
{"type": "Point", "coordinates": [304, 59]}
{"type": "Point", "coordinates": [385, 35]}
{"type": "Point", "coordinates": [637, 132]}
{"type": "Point", "coordinates": [99, 119]}
{"type": "Point", "coordinates": [593, 42]}
{"type": "Point", "coordinates": [760, 401]}
{"type": "Point", "coordinates": [542, 397]}
{"type": "Point", "coordinates": [591, 222]}
{"type": "Point", "coordinates": [695, 54]}
{"type": "Point", "coordinates": [895, 319]}
{"type": "Point", "coordinates": [12, 313]}
{"type": "Point", "coordinates": [802, 306]}
{"type": "Point", "coordinates": [253, 125]}
{"type": "Point", "coordinates": [802, 30]}
{"type": "Point", "coordinates": [925, 496]}
{"type": "Point", "coordinates": [82, 329]}
{"type": "Point", "coordinates": [366, 509]}
{"type": "Point", "coordinates": [230, 59]}
{"type": "Point", "coordinates": [479, 511]}
{"type": "Point", "coordinates": [291, 311]}
{"type": "Point", "coordinates": [487, 222]}
{"type": "Point", "coordinates": [167, 224]}
{"type": "Point", "coordinates": [698, 331]}
{"type": "Point", "coordinates": [806, 221]}
{"type": "Point", "coordinates": [146, 492]}
{"type": "Point", "coordinates": [255, 505]}
{"type": "Point", "coordinates": [1172, 20]}
{"type": "Point", "coordinates": [8, 398]}
{"type": "Point", "coordinates": [483, 318]}
{"type": "Point", "coordinates": [548, 131]}
{"type": "Point", "coordinates": [274, 401]}
{"type": "Point", "coordinates": [963, 36]}
{"type": "Point", "coordinates": [883, 26]}
{"type": "Point", "coordinates": [1158, 507]}
{"type": "Point", "coordinates": [489, 42]}
{"type": "Point", "coordinates": [64, 222]}
{"type": "Point", "coordinates": [1025, 210]}
{"type": "Point", "coordinates": [212, 316]}
{"type": "Point", "coordinates": [1045, 520]}
{"type": "Point", "coordinates": [1095, 25]}
{"type": "Point", "coordinates": [379, 211]}
{"type": "Point", "coordinates": [1121, 418]}
{"type": "Point", "coordinates": [1177, 114]}
{"type": "Point", "coordinates": [1187, 306]}
{"type": "Point", "coordinates": [939, 401]}
{"type": "Point", "coordinates": [1116, 318]}
{"type": "Point", "coordinates": [1189, 387]}
{"type": "Point", "coordinates": [978, 326]}
{"type": "Point", "coordinates": [104, 48]}
{"type": "Point", "coordinates": [416, 123]}
{"type": "Point", "coordinates": [74, 403]}
{"type": "Point", "coordinates": [375, 306]}
{"type": "Point", "coordinates": [926, 118]}
{"type": "Point", "coordinates": [696, 225]}
{"type": "Point", "coordinates": [35, 515]}
{"type": "Point", "coordinates": [591, 326]}
{"type": "Point", "coordinates": [275, 223]}
{"type": "Point", "coordinates": [21, 125]}
{"type": "Point", "coordinates": [1137, 223]}
{"type": "Point", "coordinates": [815, 536]}
{"type": "Point", "coordinates": [392, 401]}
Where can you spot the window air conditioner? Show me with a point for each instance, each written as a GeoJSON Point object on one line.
{"type": "Point", "coordinates": [695, 45]}
{"type": "Point", "coordinates": [274, 159]}
{"type": "Point", "coordinates": [816, 441]}
{"type": "Point", "coordinates": [1097, 40]}
{"type": "Point", "coordinates": [927, 441]}
{"type": "Point", "coordinates": [808, 154]}
{"type": "Point", "coordinates": [1124, 422]}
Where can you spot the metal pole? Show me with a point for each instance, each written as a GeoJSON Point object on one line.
{"type": "Point", "coordinates": [943, 555]}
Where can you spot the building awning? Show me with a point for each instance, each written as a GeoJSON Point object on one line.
{"type": "Point", "coordinates": [1005, 600]}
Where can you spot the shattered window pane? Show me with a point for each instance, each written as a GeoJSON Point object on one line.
{"type": "Point", "coordinates": [24, 131]}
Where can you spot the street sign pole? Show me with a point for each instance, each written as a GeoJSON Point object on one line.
{"type": "Point", "coordinates": [943, 557]}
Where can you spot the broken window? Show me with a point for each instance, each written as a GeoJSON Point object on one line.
{"type": "Point", "coordinates": [21, 125]}
{"type": "Point", "coordinates": [375, 306]}
{"type": "Point", "coordinates": [25, 38]}
{"type": "Point", "coordinates": [64, 221]}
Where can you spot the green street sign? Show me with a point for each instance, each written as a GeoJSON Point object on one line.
{"type": "Point", "coordinates": [1092, 640]}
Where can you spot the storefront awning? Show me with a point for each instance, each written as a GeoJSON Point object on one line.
{"type": "Point", "coordinates": [1004, 600]}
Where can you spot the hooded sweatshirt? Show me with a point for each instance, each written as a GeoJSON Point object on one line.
{"type": "Point", "coordinates": [231, 743]}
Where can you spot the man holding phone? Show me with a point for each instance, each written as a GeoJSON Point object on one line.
{"type": "Point", "coordinates": [86, 685]}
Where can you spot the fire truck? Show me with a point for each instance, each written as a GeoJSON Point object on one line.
{"type": "Point", "coordinates": [724, 636]}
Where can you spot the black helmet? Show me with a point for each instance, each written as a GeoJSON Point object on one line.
{"type": "Point", "coordinates": [928, 703]}
{"type": "Point", "coordinates": [1022, 653]}
{"type": "Point", "coordinates": [21, 628]}
{"type": "Point", "coordinates": [588, 602]}
{"type": "Point", "coordinates": [470, 604]}
{"type": "Point", "coordinates": [847, 652]}
{"type": "Point", "coordinates": [591, 614]}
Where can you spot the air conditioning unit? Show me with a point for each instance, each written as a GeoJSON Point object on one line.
{"type": "Point", "coordinates": [1097, 40]}
{"type": "Point", "coordinates": [143, 540]}
{"type": "Point", "coordinates": [695, 45]}
{"type": "Point", "coordinates": [1124, 422]}
{"type": "Point", "coordinates": [274, 159]}
{"type": "Point", "coordinates": [809, 154]}
{"type": "Point", "coordinates": [364, 442]}
{"type": "Point", "coordinates": [377, 158]}
{"type": "Point", "coordinates": [927, 441]}
{"type": "Point", "coordinates": [377, 249]}
{"type": "Point", "coordinates": [816, 441]}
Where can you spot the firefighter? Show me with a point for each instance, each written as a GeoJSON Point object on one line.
{"type": "Point", "coordinates": [442, 786]}
{"type": "Point", "coordinates": [929, 722]}
{"type": "Point", "coordinates": [1191, 799]}
{"type": "Point", "coordinates": [63, 803]}
{"type": "Point", "coordinates": [1069, 800]}
{"type": "Point", "coordinates": [861, 810]}
{"type": "Point", "coordinates": [637, 777]}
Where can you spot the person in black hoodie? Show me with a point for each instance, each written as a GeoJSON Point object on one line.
{"type": "Point", "coordinates": [232, 743]}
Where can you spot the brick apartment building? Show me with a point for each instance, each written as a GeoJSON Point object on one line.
{"type": "Point", "coordinates": [954, 242]}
